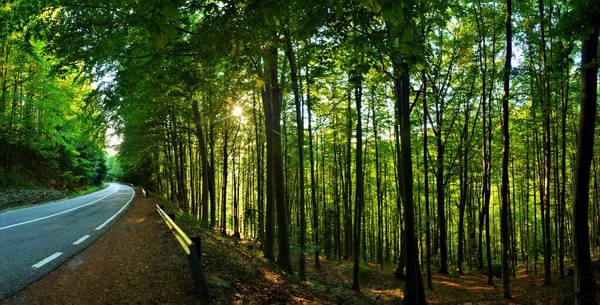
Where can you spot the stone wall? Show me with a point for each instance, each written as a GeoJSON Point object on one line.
{"type": "Point", "coordinates": [16, 198]}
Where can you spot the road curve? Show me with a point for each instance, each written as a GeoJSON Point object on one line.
{"type": "Point", "coordinates": [36, 240]}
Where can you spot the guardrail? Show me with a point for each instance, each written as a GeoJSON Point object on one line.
{"type": "Point", "coordinates": [193, 256]}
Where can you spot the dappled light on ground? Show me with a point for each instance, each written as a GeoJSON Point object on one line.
{"type": "Point", "coordinates": [449, 284]}
{"type": "Point", "coordinates": [136, 220]}
{"type": "Point", "coordinates": [272, 277]}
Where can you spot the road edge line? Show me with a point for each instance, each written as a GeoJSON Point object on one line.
{"type": "Point", "coordinates": [56, 214]}
{"type": "Point", "coordinates": [117, 213]}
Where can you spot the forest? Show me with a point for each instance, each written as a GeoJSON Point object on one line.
{"type": "Point", "coordinates": [51, 126]}
{"type": "Point", "coordinates": [435, 136]}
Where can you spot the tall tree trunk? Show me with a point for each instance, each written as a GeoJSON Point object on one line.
{"type": "Point", "coordinates": [426, 167]}
{"type": "Point", "coordinates": [360, 195]}
{"type": "Point", "coordinates": [313, 183]}
{"type": "Point", "coordinates": [399, 273]}
{"type": "Point", "coordinates": [379, 191]}
{"type": "Point", "coordinates": [504, 231]}
{"type": "Point", "coordinates": [584, 278]}
{"type": "Point", "coordinates": [224, 184]}
{"type": "Point", "coordinates": [211, 178]}
{"type": "Point", "coordinates": [440, 202]}
{"type": "Point", "coordinates": [463, 192]}
{"type": "Point", "coordinates": [547, 164]}
{"type": "Point", "coordinates": [269, 243]}
{"type": "Point", "coordinates": [283, 258]}
{"type": "Point", "coordinates": [300, 131]}
{"type": "Point", "coordinates": [414, 291]}
{"type": "Point", "coordinates": [235, 173]}
{"type": "Point", "coordinates": [205, 166]}
{"type": "Point", "coordinates": [348, 188]}
{"type": "Point", "coordinates": [563, 203]}
{"type": "Point", "coordinates": [485, 190]}
{"type": "Point", "coordinates": [259, 172]}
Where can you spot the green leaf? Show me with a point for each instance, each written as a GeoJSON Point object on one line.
{"type": "Point", "coordinates": [176, 93]}
{"type": "Point", "coordinates": [167, 29]}
{"type": "Point", "coordinates": [388, 15]}
{"type": "Point", "coordinates": [170, 10]}
{"type": "Point", "coordinates": [376, 6]}
{"type": "Point", "coordinates": [393, 14]}
{"type": "Point", "coordinates": [396, 29]}
{"type": "Point", "coordinates": [408, 35]}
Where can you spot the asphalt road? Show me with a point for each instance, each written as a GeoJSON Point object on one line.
{"type": "Point", "coordinates": [36, 240]}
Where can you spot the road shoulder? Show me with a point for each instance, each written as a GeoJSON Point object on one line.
{"type": "Point", "coordinates": [135, 261]}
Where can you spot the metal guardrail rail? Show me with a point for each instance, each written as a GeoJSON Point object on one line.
{"type": "Point", "coordinates": [193, 256]}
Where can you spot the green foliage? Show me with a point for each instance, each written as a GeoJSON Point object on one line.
{"type": "Point", "coordinates": [161, 56]}
{"type": "Point", "coordinates": [49, 136]}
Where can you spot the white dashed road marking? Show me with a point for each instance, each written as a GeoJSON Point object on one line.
{"type": "Point", "coordinates": [46, 260]}
{"type": "Point", "coordinates": [81, 240]}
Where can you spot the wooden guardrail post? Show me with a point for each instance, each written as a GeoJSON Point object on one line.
{"type": "Point", "coordinates": [197, 240]}
{"type": "Point", "coordinates": [198, 275]}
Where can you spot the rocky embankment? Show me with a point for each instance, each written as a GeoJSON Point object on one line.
{"type": "Point", "coordinates": [15, 198]}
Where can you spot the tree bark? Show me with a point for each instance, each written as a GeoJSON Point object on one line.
{"type": "Point", "coordinates": [224, 184]}
{"type": "Point", "coordinates": [414, 291]}
{"type": "Point", "coordinates": [283, 258]}
{"type": "Point", "coordinates": [360, 195]}
{"type": "Point", "coordinates": [547, 164]}
{"type": "Point", "coordinates": [426, 167]}
{"type": "Point", "coordinates": [584, 278]}
{"type": "Point", "coordinates": [300, 131]}
{"type": "Point", "coordinates": [205, 165]}
{"type": "Point", "coordinates": [313, 183]}
{"type": "Point", "coordinates": [504, 225]}
{"type": "Point", "coordinates": [269, 243]}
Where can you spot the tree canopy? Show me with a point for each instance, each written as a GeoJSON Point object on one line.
{"type": "Point", "coordinates": [425, 134]}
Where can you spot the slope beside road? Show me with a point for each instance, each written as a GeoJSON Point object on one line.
{"type": "Point", "coordinates": [36, 240]}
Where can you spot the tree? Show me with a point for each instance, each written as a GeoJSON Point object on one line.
{"type": "Point", "coordinates": [360, 195]}
{"type": "Point", "coordinates": [584, 279]}
{"type": "Point", "coordinates": [505, 154]}
{"type": "Point", "coordinates": [300, 130]}
{"type": "Point", "coordinates": [546, 190]}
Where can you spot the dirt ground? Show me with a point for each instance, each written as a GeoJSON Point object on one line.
{"type": "Point", "coordinates": [139, 262]}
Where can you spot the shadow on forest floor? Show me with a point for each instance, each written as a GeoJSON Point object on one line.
{"type": "Point", "coordinates": [238, 273]}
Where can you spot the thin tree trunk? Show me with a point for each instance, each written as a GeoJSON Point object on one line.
{"type": "Point", "coordinates": [547, 164]}
{"type": "Point", "coordinates": [269, 243]}
{"type": "Point", "coordinates": [313, 184]}
{"type": "Point", "coordinates": [426, 168]}
{"type": "Point", "coordinates": [360, 196]}
{"type": "Point", "coordinates": [379, 192]}
{"type": "Point", "coordinates": [505, 210]}
{"type": "Point", "coordinates": [300, 132]}
{"type": "Point", "coordinates": [348, 200]}
{"type": "Point", "coordinates": [224, 184]}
